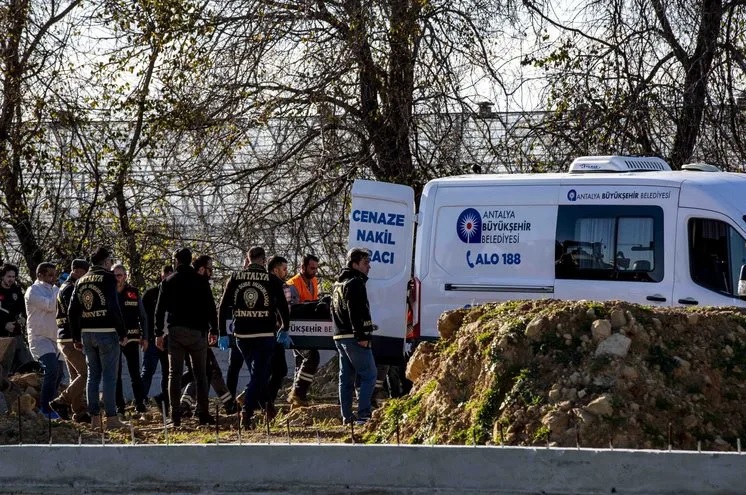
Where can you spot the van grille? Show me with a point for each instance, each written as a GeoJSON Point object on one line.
{"type": "Point", "coordinates": [644, 165]}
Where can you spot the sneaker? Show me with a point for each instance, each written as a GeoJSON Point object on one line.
{"type": "Point", "coordinates": [206, 419]}
{"type": "Point", "coordinates": [60, 408]}
{"type": "Point", "coordinates": [348, 421]}
{"type": "Point", "coordinates": [296, 400]}
{"type": "Point", "coordinates": [141, 408]}
{"type": "Point", "coordinates": [230, 407]}
{"type": "Point", "coordinates": [83, 417]}
{"type": "Point", "coordinates": [51, 415]}
{"type": "Point", "coordinates": [361, 421]}
{"type": "Point", "coordinates": [114, 423]}
{"type": "Point", "coordinates": [185, 410]}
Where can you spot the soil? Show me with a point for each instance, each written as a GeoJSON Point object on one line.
{"type": "Point", "coordinates": [574, 374]}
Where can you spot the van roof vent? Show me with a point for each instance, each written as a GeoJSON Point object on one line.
{"type": "Point", "coordinates": [700, 167]}
{"type": "Point", "coordinates": [603, 164]}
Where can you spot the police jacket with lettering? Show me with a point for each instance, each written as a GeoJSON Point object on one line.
{"type": "Point", "coordinates": [12, 307]}
{"type": "Point", "coordinates": [187, 298]}
{"type": "Point", "coordinates": [64, 333]}
{"type": "Point", "coordinates": [94, 304]}
{"type": "Point", "coordinates": [134, 314]}
{"type": "Point", "coordinates": [350, 308]}
{"type": "Point", "coordinates": [253, 299]}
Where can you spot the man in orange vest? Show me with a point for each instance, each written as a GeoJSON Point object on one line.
{"type": "Point", "coordinates": [306, 285]}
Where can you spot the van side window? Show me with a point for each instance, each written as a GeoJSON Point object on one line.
{"type": "Point", "coordinates": [716, 253]}
{"type": "Point", "coordinates": [622, 243]}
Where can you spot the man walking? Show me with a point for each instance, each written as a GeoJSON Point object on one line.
{"type": "Point", "coordinates": [74, 395]}
{"type": "Point", "coordinates": [153, 355]}
{"type": "Point", "coordinates": [98, 328]}
{"type": "Point", "coordinates": [353, 333]}
{"type": "Point", "coordinates": [41, 307]}
{"type": "Point", "coordinates": [305, 288]}
{"type": "Point", "coordinates": [12, 319]}
{"type": "Point", "coordinates": [187, 298]}
{"type": "Point", "coordinates": [137, 337]}
{"type": "Point", "coordinates": [254, 299]}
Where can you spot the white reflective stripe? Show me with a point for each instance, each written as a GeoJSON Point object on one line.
{"type": "Point", "coordinates": [344, 336]}
{"type": "Point", "coordinates": [253, 335]}
{"type": "Point", "coordinates": [64, 341]}
{"type": "Point", "coordinates": [98, 330]}
{"type": "Point", "coordinates": [305, 377]}
{"type": "Point", "coordinates": [225, 397]}
{"type": "Point", "coordinates": [187, 400]}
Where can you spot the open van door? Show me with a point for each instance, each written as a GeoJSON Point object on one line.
{"type": "Point", "coordinates": [382, 220]}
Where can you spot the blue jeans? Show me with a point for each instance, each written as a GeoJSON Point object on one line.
{"type": "Point", "coordinates": [150, 359]}
{"type": "Point", "coordinates": [257, 354]}
{"type": "Point", "coordinates": [50, 381]}
{"type": "Point", "coordinates": [102, 352]}
{"type": "Point", "coordinates": [355, 359]}
{"type": "Point", "coordinates": [235, 363]}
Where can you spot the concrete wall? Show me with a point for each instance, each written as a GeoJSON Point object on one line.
{"type": "Point", "coordinates": [343, 468]}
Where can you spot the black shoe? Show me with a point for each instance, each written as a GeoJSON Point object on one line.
{"type": "Point", "coordinates": [141, 408]}
{"type": "Point", "coordinates": [62, 409]}
{"type": "Point", "coordinates": [175, 420]}
{"type": "Point", "coordinates": [230, 407]}
{"type": "Point", "coordinates": [83, 417]}
{"type": "Point", "coordinates": [247, 421]}
{"type": "Point", "coordinates": [271, 411]}
{"type": "Point", "coordinates": [206, 419]}
{"type": "Point", "coordinates": [185, 411]}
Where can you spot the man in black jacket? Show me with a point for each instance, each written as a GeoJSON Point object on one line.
{"type": "Point", "coordinates": [187, 298]}
{"type": "Point", "coordinates": [254, 299]}
{"type": "Point", "coordinates": [98, 328]}
{"type": "Point", "coordinates": [74, 395]}
{"type": "Point", "coordinates": [152, 355]}
{"type": "Point", "coordinates": [353, 334]}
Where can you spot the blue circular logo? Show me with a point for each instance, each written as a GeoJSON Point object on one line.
{"type": "Point", "coordinates": [469, 226]}
{"type": "Point", "coordinates": [572, 195]}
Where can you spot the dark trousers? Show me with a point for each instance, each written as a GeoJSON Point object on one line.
{"type": "Point", "coordinates": [278, 370]}
{"type": "Point", "coordinates": [306, 365]}
{"type": "Point", "coordinates": [214, 377]}
{"type": "Point", "coordinates": [257, 353]}
{"type": "Point", "coordinates": [184, 341]}
{"type": "Point", "coordinates": [235, 363]}
{"type": "Point", "coordinates": [131, 354]}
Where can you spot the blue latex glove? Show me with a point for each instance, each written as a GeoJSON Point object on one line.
{"type": "Point", "coordinates": [284, 338]}
{"type": "Point", "coordinates": [223, 343]}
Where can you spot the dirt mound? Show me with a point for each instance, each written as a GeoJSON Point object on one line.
{"type": "Point", "coordinates": [576, 373]}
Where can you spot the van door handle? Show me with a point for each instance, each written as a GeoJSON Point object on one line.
{"type": "Point", "coordinates": [656, 298]}
{"type": "Point", "coordinates": [689, 301]}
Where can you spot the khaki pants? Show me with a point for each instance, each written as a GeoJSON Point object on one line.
{"type": "Point", "coordinates": [74, 394]}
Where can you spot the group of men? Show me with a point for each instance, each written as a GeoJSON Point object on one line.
{"type": "Point", "coordinates": [96, 319]}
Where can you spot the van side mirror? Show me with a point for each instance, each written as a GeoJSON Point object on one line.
{"type": "Point", "coordinates": [742, 283]}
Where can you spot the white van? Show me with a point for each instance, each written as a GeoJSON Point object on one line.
{"type": "Point", "coordinates": [613, 227]}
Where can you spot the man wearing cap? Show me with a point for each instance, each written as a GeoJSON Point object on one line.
{"type": "Point", "coordinates": [254, 299]}
{"type": "Point", "coordinates": [187, 298]}
{"type": "Point", "coordinates": [353, 333]}
{"type": "Point", "coordinates": [98, 328]}
{"type": "Point", "coordinates": [74, 395]}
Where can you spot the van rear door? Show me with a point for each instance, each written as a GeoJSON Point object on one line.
{"type": "Point", "coordinates": [382, 219]}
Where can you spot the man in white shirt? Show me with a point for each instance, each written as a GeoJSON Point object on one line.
{"type": "Point", "coordinates": [41, 308]}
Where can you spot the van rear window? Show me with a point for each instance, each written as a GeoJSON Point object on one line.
{"type": "Point", "coordinates": [623, 243]}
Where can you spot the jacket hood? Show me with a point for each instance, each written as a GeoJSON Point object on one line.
{"type": "Point", "coordinates": [349, 273]}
